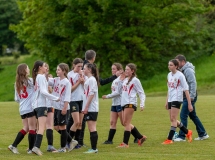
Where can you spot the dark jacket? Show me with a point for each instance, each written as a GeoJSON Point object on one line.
{"type": "Point", "coordinates": [103, 81]}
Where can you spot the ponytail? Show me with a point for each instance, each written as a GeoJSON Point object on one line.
{"type": "Point", "coordinates": [94, 71]}
{"type": "Point", "coordinates": [35, 69]}
{"type": "Point", "coordinates": [133, 67]}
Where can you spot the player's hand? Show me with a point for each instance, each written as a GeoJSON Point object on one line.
{"type": "Point", "coordinates": [64, 111]}
{"type": "Point", "coordinates": [190, 107]}
{"type": "Point", "coordinates": [104, 97]}
{"type": "Point", "coordinates": [85, 111]}
{"type": "Point", "coordinates": [166, 106]}
{"type": "Point", "coordinates": [118, 73]}
{"type": "Point", "coordinates": [58, 100]}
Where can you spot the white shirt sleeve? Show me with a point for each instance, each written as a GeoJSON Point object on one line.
{"type": "Point", "coordinates": [118, 90]}
{"type": "Point", "coordinates": [44, 89]}
{"type": "Point", "coordinates": [93, 87]}
{"type": "Point", "coordinates": [16, 96]}
{"type": "Point", "coordinates": [138, 87]}
{"type": "Point", "coordinates": [184, 83]}
{"type": "Point", "coordinates": [67, 92]}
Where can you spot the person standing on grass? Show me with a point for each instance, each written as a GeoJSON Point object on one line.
{"type": "Point", "coordinates": [40, 101]}
{"type": "Point", "coordinates": [130, 88]}
{"type": "Point", "coordinates": [177, 84]}
{"type": "Point", "coordinates": [50, 117]}
{"type": "Point", "coordinates": [76, 79]}
{"type": "Point", "coordinates": [24, 90]}
{"type": "Point", "coordinates": [90, 56]}
{"type": "Point", "coordinates": [91, 103]}
{"type": "Point", "coordinates": [188, 70]}
{"type": "Point", "coordinates": [61, 88]}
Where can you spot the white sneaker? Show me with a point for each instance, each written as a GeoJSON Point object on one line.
{"type": "Point", "coordinates": [179, 140]}
{"type": "Point", "coordinates": [202, 138]}
{"type": "Point", "coordinates": [61, 150]}
{"type": "Point", "coordinates": [91, 151]}
{"type": "Point", "coordinates": [29, 151]}
{"type": "Point", "coordinates": [13, 149]}
{"type": "Point", "coordinates": [37, 151]}
{"type": "Point", "coordinates": [72, 144]}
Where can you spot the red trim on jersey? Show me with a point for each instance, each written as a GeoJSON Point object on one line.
{"type": "Point", "coordinates": [130, 88]}
{"type": "Point", "coordinates": [71, 81]}
{"type": "Point", "coordinates": [88, 89]}
{"type": "Point", "coordinates": [178, 83]}
{"type": "Point", "coordinates": [62, 90]}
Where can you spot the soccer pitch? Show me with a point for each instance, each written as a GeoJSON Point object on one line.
{"type": "Point", "coordinates": [152, 122]}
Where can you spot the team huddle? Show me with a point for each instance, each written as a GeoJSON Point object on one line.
{"type": "Point", "coordinates": [70, 100]}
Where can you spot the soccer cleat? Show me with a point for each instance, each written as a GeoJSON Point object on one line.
{"type": "Point", "coordinates": [202, 138]}
{"type": "Point", "coordinates": [123, 145]}
{"type": "Point", "coordinates": [108, 142]}
{"type": "Point", "coordinates": [29, 151]}
{"type": "Point", "coordinates": [61, 150]}
{"type": "Point", "coordinates": [37, 151]}
{"type": "Point", "coordinates": [167, 142]}
{"type": "Point", "coordinates": [91, 151]}
{"type": "Point", "coordinates": [189, 136]}
{"type": "Point", "coordinates": [140, 141]}
{"type": "Point", "coordinates": [51, 149]}
{"type": "Point", "coordinates": [78, 146]}
{"type": "Point", "coordinates": [179, 140]}
{"type": "Point", "coordinates": [13, 149]}
{"type": "Point", "coordinates": [72, 144]}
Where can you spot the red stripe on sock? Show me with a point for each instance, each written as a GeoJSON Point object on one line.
{"type": "Point", "coordinates": [32, 132]}
{"type": "Point", "coordinates": [23, 132]}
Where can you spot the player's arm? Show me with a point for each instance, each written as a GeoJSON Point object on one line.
{"type": "Point", "coordinates": [140, 92]}
{"type": "Point", "coordinates": [66, 99]}
{"type": "Point", "coordinates": [107, 80]}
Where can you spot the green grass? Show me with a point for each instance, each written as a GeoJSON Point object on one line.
{"type": "Point", "coordinates": [153, 122]}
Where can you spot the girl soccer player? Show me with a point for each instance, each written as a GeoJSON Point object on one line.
{"type": "Point", "coordinates": [24, 90]}
{"type": "Point", "coordinates": [61, 88]}
{"type": "Point", "coordinates": [40, 101]}
{"type": "Point", "coordinates": [130, 88]}
{"type": "Point", "coordinates": [76, 100]}
{"type": "Point", "coordinates": [116, 109]}
{"type": "Point", "coordinates": [90, 103]}
{"type": "Point", "coordinates": [176, 85]}
{"type": "Point", "coordinates": [50, 117]}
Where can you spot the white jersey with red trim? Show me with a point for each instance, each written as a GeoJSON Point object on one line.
{"type": "Point", "coordinates": [116, 89]}
{"type": "Point", "coordinates": [77, 94]}
{"type": "Point", "coordinates": [176, 84]}
{"type": "Point", "coordinates": [24, 98]}
{"type": "Point", "coordinates": [62, 89]}
{"type": "Point", "coordinates": [41, 92]}
{"type": "Point", "coordinates": [91, 88]}
{"type": "Point", "coordinates": [130, 91]}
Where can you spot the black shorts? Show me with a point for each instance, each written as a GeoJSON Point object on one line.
{"type": "Point", "coordinates": [91, 116]}
{"type": "Point", "coordinates": [174, 104]}
{"type": "Point", "coordinates": [41, 111]}
{"type": "Point", "coordinates": [76, 106]}
{"type": "Point", "coordinates": [50, 109]}
{"type": "Point", "coordinates": [116, 108]}
{"type": "Point", "coordinates": [129, 106]}
{"type": "Point", "coordinates": [59, 119]}
{"type": "Point", "coordinates": [28, 115]}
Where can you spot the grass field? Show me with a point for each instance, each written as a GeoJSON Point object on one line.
{"type": "Point", "coordinates": [153, 122]}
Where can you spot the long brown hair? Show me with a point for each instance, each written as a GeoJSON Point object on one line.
{"type": "Point", "coordinates": [133, 67]}
{"type": "Point", "coordinates": [94, 71]}
{"type": "Point", "coordinates": [21, 77]}
{"type": "Point", "coordinates": [118, 66]}
{"type": "Point", "coordinates": [35, 69]}
{"type": "Point", "coordinates": [76, 61]}
{"type": "Point", "coordinates": [64, 67]}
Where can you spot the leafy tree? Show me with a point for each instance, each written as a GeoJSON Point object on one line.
{"type": "Point", "coordinates": [9, 14]}
{"type": "Point", "coordinates": [144, 32]}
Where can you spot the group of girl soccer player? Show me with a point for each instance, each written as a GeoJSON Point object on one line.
{"type": "Point", "coordinates": [45, 102]}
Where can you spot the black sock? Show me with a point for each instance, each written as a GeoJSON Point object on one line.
{"type": "Point", "coordinates": [171, 133]}
{"type": "Point", "coordinates": [184, 129]}
{"type": "Point", "coordinates": [31, 138]}
{"type": "Point", "coordinates": [72, 134]}
{"type": "Point", "coordinates": [81, 137]}
{"type": "Point", "coordinates": [111, 134]}
{"type": "Point", "coordinates": [136, 133]}
{"type": "Point", "coordinates": [94, 139]}
{"type": "Point", "coordinates": [38, 141]}
{"type": "Point", "coordinates": [49, 136]}
{"type": "Point", "coordinates": [77, 134]}
{"type": "Point", "coordinates": [19, 138]}
{"type": "Point", "coordinates": [63, 138]}
{"type": "Point", "coordinates": [126, 137]}
{"type": "Point", "coordinates": [69, 139]}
